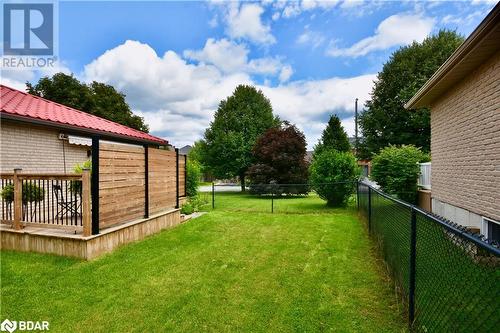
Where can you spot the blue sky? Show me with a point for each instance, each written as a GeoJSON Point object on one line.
{"type": "Point", "coordinates": [176, 60]}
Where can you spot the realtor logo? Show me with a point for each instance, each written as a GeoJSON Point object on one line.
{"type": "Point", "coordinates": [28, 29]}
{"type": "Point", "coordinates": [8, 326]}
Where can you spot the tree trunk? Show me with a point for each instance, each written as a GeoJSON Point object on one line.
{"type": "Point", "coordinates": [242, 181]}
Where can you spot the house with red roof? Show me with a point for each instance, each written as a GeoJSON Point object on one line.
{"type": "Point", "coordinates": [134, 187]}
{"type": "Point", "coordinates": [39, 135]}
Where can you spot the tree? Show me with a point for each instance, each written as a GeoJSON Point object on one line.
{"type": "Point", "coordinates": [333, 176]}
{"type": "Point", "coordinates": [238, 122]}
{"type": "Point", "coordinates": [385, 120]}
{"type": "Point", "coordinates": [396, 170]}
{"type": "Point", "coordinates": [279, 158]}
{"type": "Point", "coordinates": [95, 98]}
{"type": "Point", "coordinates": [333, 137]}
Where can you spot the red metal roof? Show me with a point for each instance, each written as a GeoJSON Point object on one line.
{"type": "Point", "coordinates": [24, 105]}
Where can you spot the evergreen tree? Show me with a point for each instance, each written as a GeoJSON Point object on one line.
{"type": "Point", "coordinates": [333, 137]}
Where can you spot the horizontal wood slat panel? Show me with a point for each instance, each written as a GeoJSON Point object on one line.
{"type": "Point", "coordinates": [162, 179]}
{"type": "Point", "coordinates": [121, 183]}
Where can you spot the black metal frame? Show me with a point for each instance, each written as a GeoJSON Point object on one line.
{"type": "Point", "coordinates": [94, 187]}
{"type": "Point", "coordinates": [146, 182]}
{"type": "Point", "coordinates": [177, 176]}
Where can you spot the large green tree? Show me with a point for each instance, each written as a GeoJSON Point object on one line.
{"type": "Point", "coordinates": [95, 98]}
{"type": "Point", "coordinates": [333, 137]}
{"type": "Point", "coordinates": [239, 120]}
{"type": "Point", "coordinates": [385, 120]}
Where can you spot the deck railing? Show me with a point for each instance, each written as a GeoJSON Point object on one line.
{"type": "Point", "coordinates": [46, 200]}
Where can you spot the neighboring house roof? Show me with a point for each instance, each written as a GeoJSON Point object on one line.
{"type": "Point", "coordinates": [18, 105]}
{"type": "Point", "coordinates": [478, 47]}
{"type": "Point", "coordinates": [185, 150]}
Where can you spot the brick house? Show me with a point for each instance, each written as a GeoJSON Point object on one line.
{"type": "Point", "coordinates": [464, 98]}
{"type": "Point", "coordinates": [40, 136]}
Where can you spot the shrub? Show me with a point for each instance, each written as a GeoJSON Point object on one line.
{"type": "Point", "coordinates": [396, 170]}
{"type": "Point", "coordinates": [187, 208]}
{"type": "Point", "coordinates": [193, 174]}
{"type": "Point", "coordinates": [31, 193]}
{"type": "Point", "coordinates": [331, 166]}
{"type": "Point", "coordinates": [75, 186]}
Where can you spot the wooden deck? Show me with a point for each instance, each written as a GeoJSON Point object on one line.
{"type": "Point", "coordinates": [72, 242]}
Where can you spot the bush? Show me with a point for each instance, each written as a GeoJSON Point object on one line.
{"type": "Point", "coordinates": [193, 174]}
{"type": "Point", "coordinates": [187, 208]}
{"type": "Point", "coordinates": [75, 186]}
{"type": "Point", "coordinates": [31, 193]}
{"type": "Point", "coordinates": [331, 166]}
{"type": "Point", "coordinates": [396, 170]}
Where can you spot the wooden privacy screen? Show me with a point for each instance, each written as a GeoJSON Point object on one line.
{"type": "Point", "coordinates": [162, 173]}
{"type": "Point", "coordinates": [121, 183]}
{"type": "Point", "coordinates": [182, 175]}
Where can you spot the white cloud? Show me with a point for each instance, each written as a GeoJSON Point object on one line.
{"type": "Point", "coordinates": [168, 82]}
{"type": "Point", "coordinates": [178, 99]}
{"type": "Point", "coordinates": [464, 20]}
{"type": "Point", "coordinates": [311, 38]}
{"type": "Point", "coordinates": [245, 22]}
{"type": "Point", "coordinates": [351, 3]}
{"type": "Point", "coordinates": [399, 29]}
{"type": "Point", "coordinates": [484, 2]}
{"type": "Point", "coordinates": [17, 78]}
{"type": "Point", "coordinates": [286, 73]}
{"type": "Point", "coordinates": [231, 57]}
{"type": "Point", "coordinates": [224, 54]}
{"type": "Point", "coordinates": [213, 22]}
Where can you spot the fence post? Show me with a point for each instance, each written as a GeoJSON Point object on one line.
{"type": "Point", "coordinates": [18, 200]}
{"type": "Point", "coordinates": [369, 209]}
{"type": "Point", "coordinates": [413, 252]}
{"type": "Point", "coordinates": [177, 176]}
{"type": "Point", "coordinates": [213, 195]}
{"type": "Point", "coordinates": [272, 199]}
{"type": "Point", "coordinates": [86, 211]}
{"type": "Point", "coordinates": [357, 194]}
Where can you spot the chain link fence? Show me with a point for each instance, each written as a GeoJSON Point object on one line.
{"type": "Point", "coordinates": [276, 198]}
{"type": "Point", "coordinates": [448, 278]}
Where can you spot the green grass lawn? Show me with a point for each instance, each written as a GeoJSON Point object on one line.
{"type": "Point", "coordinates": [311, 270]}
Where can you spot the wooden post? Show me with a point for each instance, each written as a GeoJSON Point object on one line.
{"type": "Point", "coordinates": [86, 211]}
{"type": "Point", "coordinates": [18, 200]}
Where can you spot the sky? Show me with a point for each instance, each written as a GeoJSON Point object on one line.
{"type": "Point", "coordinates": [175, 61]}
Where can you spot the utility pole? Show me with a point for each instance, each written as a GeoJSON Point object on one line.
{"type": "Point", "coordinates": [356, 127]}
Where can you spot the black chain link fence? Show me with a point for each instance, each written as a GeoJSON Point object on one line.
{"type": "Point", "coordinates": [448, 278]}
{"type": "Point", "coordinates": [276, 198]}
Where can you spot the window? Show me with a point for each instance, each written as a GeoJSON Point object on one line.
{"type": "Point", "coordinates": [490, 229]}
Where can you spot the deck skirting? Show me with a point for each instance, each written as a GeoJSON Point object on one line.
{"type": "Point", "coordinates": [44, 240]}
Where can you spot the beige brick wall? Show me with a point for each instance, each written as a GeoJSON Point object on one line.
{"type": "Point", "coordinates": [465, 142]}
{"type": "Point", "coordinates": [36, 149]}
